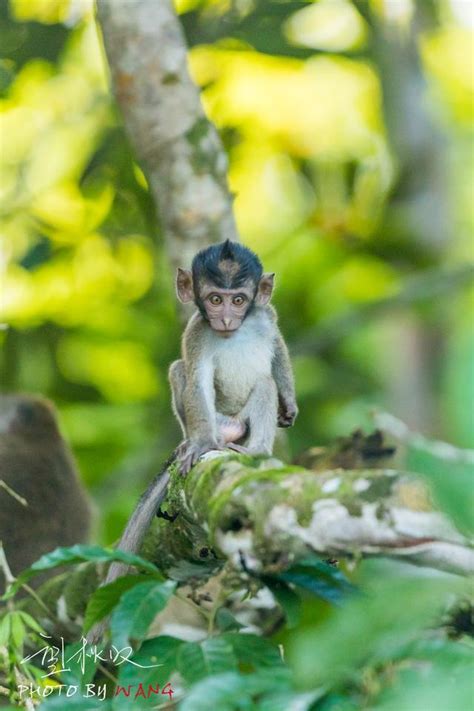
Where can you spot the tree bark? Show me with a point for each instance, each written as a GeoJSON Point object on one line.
{"type": "Point", "coordinates": [178, 148]}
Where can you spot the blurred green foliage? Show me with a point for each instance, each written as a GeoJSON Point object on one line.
{"type": "Point", "coordinates": [87, 297]}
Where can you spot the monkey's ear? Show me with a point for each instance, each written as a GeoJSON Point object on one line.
{"type": "Point", "coordinates": [265, 288]}
{"type": "Point", "coordinates": [184, 285]}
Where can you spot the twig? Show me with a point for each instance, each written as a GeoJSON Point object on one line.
{"type": "Point", "coordinates": [13, 493]}
{"type": "Point", "coordinates": [9, 577]}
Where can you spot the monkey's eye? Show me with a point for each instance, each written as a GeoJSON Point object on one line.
{"type": "Point", "coordinates": [215, 299]}
{"type": "Point", "coordinates": [238, 300]}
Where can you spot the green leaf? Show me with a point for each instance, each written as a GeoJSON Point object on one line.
{"type": "Point", "coordinates": [312, 574]}
{"type": "Point", "coordinates": [330, 571]}
{"type": "Point", "coordinates": [31, 623]}
{"type": "Point", "coordinates": [253, 650]}
{"type": "Point", "coordinates": [5, 630]}
{"type": "Point", "coordinates": [77, 554]}
{"type": "Point", "coordinates": [369, 629]}
{"type": "Point", "coordinates": [197, 660]}
{"type": "Point", "coordinates": [448, 469]}
{"type": "Point", "coordinates": [452, 482]}
{"type": "Point", "coordinates": [137, 609]}
{"type": "Point", "coordinates": [288, 700]}
{"type": "Point", "coordinates": [288, 600]}
{"type": "Point", "coordinates": [18, 630]}
{"type": "Point", "coordinates": [316, 585]}
{"type": "Point", "coordinates": [230, 691]}
{"type": "Point", "coordinates": [142, 669]}
{"type": "Point", "coordinates": [437, 688]}
{"type": "Point", "coordinates": [81, 668]}
{"type": "Point", "coordinates": [226, 621]}
{"type": "Point", "coordinates": [105, 598]}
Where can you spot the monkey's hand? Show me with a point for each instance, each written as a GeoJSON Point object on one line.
{"type": "Point", "coordinates": [287, 412]}
{"type": "Point", "coordinates": [189, 452]}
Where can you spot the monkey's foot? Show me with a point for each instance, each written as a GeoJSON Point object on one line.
{"type": "Point", "coordinates": [189, 452]}
{"type": "Point", "coordinates": [238, 448]}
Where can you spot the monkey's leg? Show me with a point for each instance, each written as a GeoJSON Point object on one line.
{"type": "Point", "coordinates": [177, 378]}
{"type": "Point", "coordinates": [260, 411]}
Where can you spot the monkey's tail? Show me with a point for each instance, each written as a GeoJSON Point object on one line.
{"type": "Point", "coordinates": [135, 530]}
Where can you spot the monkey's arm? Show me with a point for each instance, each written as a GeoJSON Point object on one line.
{"type": "Point", "coordinates": [198, 397]}
{"type": "Point", "coordinates": [283, 376]}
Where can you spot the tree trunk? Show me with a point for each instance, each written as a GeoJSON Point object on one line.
{"type": "Point", "coordinates": [178, 148]}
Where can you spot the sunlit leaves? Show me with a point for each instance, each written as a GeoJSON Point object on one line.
{"type": "Point", "coordinates": [333, 25]}
{"type": "Point", "coordinates": [444, 52]}
{"type": "Point", "coordinates": [119, 369]}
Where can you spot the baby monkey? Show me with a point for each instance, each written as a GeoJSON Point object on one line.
{"type": "Point", "coordinates": [234, 383]}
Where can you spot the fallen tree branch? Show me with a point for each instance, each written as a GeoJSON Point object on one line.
{"type": "Point", "coordinates": [177, 146]}
{"type": "Point", "coordinates": [273, 514]}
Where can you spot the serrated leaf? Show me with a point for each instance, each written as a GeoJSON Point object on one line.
{"type": "Point", "coordinates": [77, 554]}
{"type": "Point", "coordinates": [105, 598]}
{"type": "Point", "coordinates": [137, 609]}
{"type": "Point", "coordinates": [197, 660]}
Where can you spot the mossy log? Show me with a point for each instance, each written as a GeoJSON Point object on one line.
{"type": "Point", "coordinates": [262, 515]}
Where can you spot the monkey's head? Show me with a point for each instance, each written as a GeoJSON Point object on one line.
{"type": "Point", "coordinates": [30, 416]}
{"type": "Point", "coordinates": [225, 282]}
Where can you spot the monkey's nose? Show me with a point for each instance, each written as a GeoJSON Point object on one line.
{"type": "Point", "coordinates": [227, 322]}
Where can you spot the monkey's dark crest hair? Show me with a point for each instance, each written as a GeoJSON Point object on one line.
{"type": "Point", "coordinates": [208, 264]}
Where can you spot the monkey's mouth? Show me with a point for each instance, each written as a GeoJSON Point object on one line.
{"type": "Point", "coordinates": [221, 330]}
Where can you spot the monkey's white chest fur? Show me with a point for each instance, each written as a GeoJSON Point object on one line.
{"type": "Point", "coordinates": [239, 362]}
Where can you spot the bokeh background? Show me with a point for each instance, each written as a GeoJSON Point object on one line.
{"type": "Point", "coordinates": [348, 127]}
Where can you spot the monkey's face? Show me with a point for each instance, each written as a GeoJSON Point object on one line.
{"type": "Point", "coordinates": [226, 308]}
